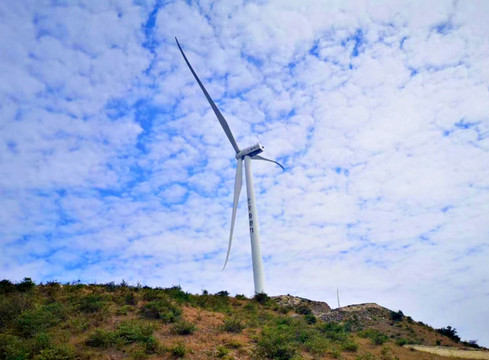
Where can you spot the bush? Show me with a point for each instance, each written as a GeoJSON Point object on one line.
{"type": "Point", "coordinates": [26, 285]}
{"type": "Point", "coordinates": [183, 328]}
{"type": "Point", "coordinates": [162, 309]}
{"type": "Point", "coordinates": [303, 310]}
{"type": "Point", "coordinates": [349, 346]}
{"type": "Point", "coordinates": [222, 293]}
{"type": "Point", "coordinates": [11, 347]}
{"type": "Point", "coordinates": [310, 319]}
{"type": "Point", "coordinates": [240, 297]}
{"type": "Point", "coordinates": [130, 298]}
{"type": "Point", "coordinates": [450, 332]}
{"type": "Point", "coordinates": [6, 287]}
{"type": "Point", "coordinates": [396, 316]}
{"type": "Point", "coordinates": [176, 293]}
{"type": "Point", "coordinates": [60, 352]}
{"type": "Point", "coordinates": [130, 332]}
{"type": "Point", "coordinates": [262, 298]}
{"type": "Point", "coordinates": [91, 304]}
{"type": "Point", "coordinates": [376, 336]}
{"type": "Point", "coordinates": [333, 331]}
{"type": "Point", "coordinates": [233, 325]}
{"type": "Point", "coordinates": [100, 338]}
{"type": "Point", "coordinates": [401, 342]}
{"type": "Point", "coordinates": [12, 306]}
{"type": "Point", "coordinates": [179, 350]}
{"type": "Point", "coordinates": [38, 319]}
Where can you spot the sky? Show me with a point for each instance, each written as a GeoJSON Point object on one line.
{"type": "Point", "coordinates": [113, 165]}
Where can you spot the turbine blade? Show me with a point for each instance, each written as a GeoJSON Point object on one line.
{"type": "Point", "coordinates": [221, 119]}
{"type": "Point", "coordinates": [237, 190]}
{"type": "Point", "coordinates": [258, 157]}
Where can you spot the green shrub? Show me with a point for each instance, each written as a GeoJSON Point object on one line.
{"type": "Point", "coordinates": [12, 306]}
{"type": "Point", "coordinates": [222, 351]}
{"type": "Point", "coordinates": [6, 287]}
{"type": "Point", "coordinates": [101, 338]}
{"type": "Point", "coordinates": [38, 319]}
{"type": "Point", "coordinates": [124, 310]}
{"type": "Point", "coordinates": [183, 328]}
{"type": "Point", "coordinates": [178, 350]}
{"type": "Point", "coordinates": [91, 303]}
{"type": "Point", "coordinates": [151, 345]}
{"type": "Point", "coordinates": [333, 331]}
{"type": "Point", "coordinates": [12, 347]}
{"type": "Point", "coordinates": [162, 309]}
{"type": "Point", "coordinates": [375, 336]}
{"type": "Point", "coordinates": [366, 356]}
{"type": "Point", "coordinates": [401, 341]}
{"type": "Point", "coordinates": [177, 294]}
{"type": "Point", "coordinates": [396, 316]}
{"type": "Point", "coordinates": [213, 302]}
{"type": "Point", "coordinates": [233, 325]}
{"type": "Point", "coordinates": [303, 310]}
{"type": "Point", "coordinates": [130, 298]}
{"type": "Point", "coordinates": [262, 298]}
{"type": "Point", "coordinates": [59, 352]}
{"type": "Point", "coordinates": [25, 285]}
{"type": "Point", "coordinates": [39, 342]}
{"type": "Point", "coordinates": [240, 297]}
{"type": "Point", "coordinates": [130, 331]}
{"type": "Point", "coordinates": [349, 346]}
{"type": "Point", "coordinates": [310, 318]}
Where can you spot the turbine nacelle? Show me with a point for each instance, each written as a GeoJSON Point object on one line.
{"type": "Point", "coordinates": [250, 151]}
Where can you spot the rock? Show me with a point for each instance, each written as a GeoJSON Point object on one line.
{"type": "Point", "coordinates": [318, 308]}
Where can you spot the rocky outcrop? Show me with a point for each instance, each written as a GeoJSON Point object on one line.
{"type": "Point", "coordinates": [362, 313]}
{"type": "Point", "coordinates": [318, 308]}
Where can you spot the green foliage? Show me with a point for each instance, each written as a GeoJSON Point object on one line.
{"type": "Point", "coordinates": [303, 310]}
{"type": "Point", "coordinates": [25, 285]}
{"type": "Point", "coordinates": [130, 298]}
{"type": "Point", "coordinates": [101, 338]}
{"type": "Point", "coordinates": [178, 350]}
{"type": "Point", "coordinates": [91, 303]}
{"type": "Point", "coordinates": [449, 332]}
{"type": "Point", "coordinates": [262, 298]}
{"type": "Point", "coordinates": [401, 341]}
{"type": "Point", "coordinates": [177, 294]}
{"type": "Point", "coordinates": [396, 316]}
{"type": "Point", "coordinates": [366, 356]}
{"type": "Point", "coordinates": [6, 287]}
{"type": "Point", "coordinates": [12, 348]}
{"type": "Point", "coordinates": [310, 318]}
{"type": "Point", "coordinates": [12, 306]}
{"type": "Point", "coordinates": [127, 332]}
{"type": "Point", "coordinates": [131, 331]}
{"type": "Point", "coordinates": [333, 331]}
{"type": "Point", "coordinates": [240, 297]}
{"type": "Point", "coordinates": [375, 336]}
{"type": "Point", "coordinates": [233, 325]}
{"type": "Point", "coordinates": [183, 328]}
{"type": "Point", "coordinates": [213, 302]}
{"type": "Point", "coordinates": [162, 309]}
{"type": "Point", "coordinates": [39, 318]}
{"type": "Point", "coordinates": [222, 351]}
{"type": "Point", "coordinates": [350, 346]}
{"type": "Point", "coordinates": [59, 352]}
{"type": "Point", "coordinates": [285, 337]}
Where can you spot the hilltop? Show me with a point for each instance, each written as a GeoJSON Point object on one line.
{"type": "Point", "coordinates": [77, 321]}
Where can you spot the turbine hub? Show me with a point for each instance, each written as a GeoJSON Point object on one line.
{"type": "Point", "coordinates": [250, 151]}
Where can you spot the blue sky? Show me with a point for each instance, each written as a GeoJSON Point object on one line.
{"type": "Point", "coordinates": [113, 166]}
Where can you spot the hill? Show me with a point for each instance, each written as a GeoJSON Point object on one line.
{"type": "Point", "coordinates": [78, 321]}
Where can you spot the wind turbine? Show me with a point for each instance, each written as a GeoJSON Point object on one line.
{"type": "Point", "coordinates": [246, 155]}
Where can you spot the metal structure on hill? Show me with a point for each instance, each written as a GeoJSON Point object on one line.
{"type": "Point", "coordinates": [246, 155]}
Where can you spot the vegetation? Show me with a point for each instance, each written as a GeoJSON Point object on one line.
{"type": "Point", "coordinates": [56, 321]}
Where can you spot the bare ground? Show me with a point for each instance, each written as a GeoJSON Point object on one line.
{"type": "Point", "coordinates": [451, 352]}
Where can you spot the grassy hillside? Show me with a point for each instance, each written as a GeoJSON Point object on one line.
{"type": "Point", "coordinates": [77, 321]}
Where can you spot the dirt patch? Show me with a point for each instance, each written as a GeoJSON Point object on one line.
{"type": "Point", "coordinates": [451, 352]}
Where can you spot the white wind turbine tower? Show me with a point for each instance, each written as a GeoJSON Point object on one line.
{"type": "Point", "coordinates": [247, 154]}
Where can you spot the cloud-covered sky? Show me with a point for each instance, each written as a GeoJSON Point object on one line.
{"type": "Point", "coordinates": [113, 166]}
